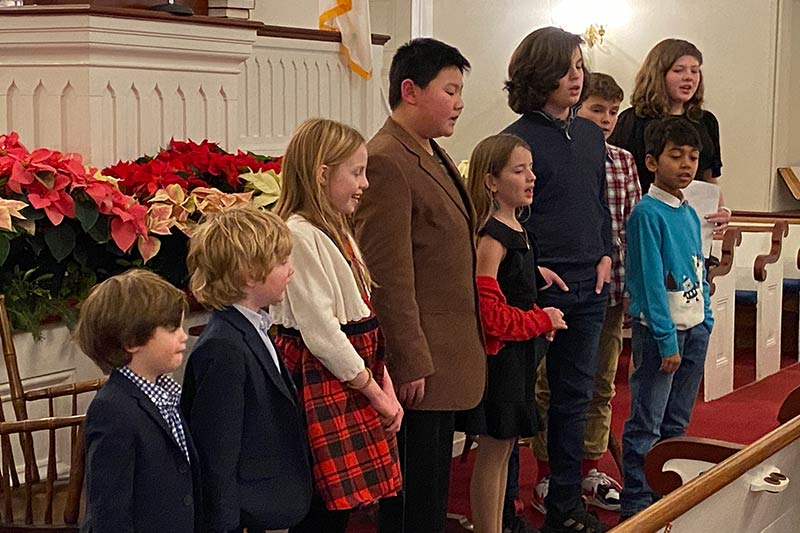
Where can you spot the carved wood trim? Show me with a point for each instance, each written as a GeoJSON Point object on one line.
{"type": "Point", "coordinates": [697, 490]}
{"type": "Point", "coordinates": [696, 448]}
{"type": "Point", "coordinates": [730, 240]}
{"type": "Point", "coordinates": [779, 231]}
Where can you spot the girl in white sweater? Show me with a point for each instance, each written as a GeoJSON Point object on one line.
{"type": "Point", "coordinates": [328, 333]}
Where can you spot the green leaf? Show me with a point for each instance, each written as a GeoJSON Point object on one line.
{"type": "Point", "coordinates": [87, 214]}
{"type": "Point", "coordinates": [61, 241]}
{"type": "Point", "coordinates": [99, 232]}
{"type": "Point", "coordinates": [5, 247]}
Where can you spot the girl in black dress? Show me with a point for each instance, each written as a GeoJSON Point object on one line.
{"type": "Point", "coordinates": [501, 182]}
{"type": "Point", "coordinates": [670, 82]}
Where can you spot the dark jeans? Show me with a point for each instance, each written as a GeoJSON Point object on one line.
{"type": "Point", "coordinates": [661, 405]}
{"type": "Point", "coordinates": [425, 442]}
{"type": "Point", "coordinates": [571, 368]}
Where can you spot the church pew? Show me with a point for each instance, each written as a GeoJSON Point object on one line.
{"type": "Point", "coordinates": [718, 486]}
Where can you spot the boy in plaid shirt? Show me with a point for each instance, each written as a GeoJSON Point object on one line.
{"type": "Point", "coordinates": [601, 106]}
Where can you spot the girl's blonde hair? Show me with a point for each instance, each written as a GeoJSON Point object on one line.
{"type": "Point", "coordinates": [489, 157]}
{"type": "Point", "coordinates": [315, 143]}
{"type": "Point", "coordinates": [650, 97]}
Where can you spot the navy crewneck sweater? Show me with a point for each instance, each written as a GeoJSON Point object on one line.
{"type": "Point", "coordinates": [569, 216]}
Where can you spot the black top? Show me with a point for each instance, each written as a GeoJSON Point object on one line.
{"type": "Point", "coordinates": [517, 274]}
{"type": "Point", "coordinates": [629, 134]}
{"type": "Point", "coordinates": [569, 216]}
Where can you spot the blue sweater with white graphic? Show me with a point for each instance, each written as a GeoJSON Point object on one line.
{"type": "Point", "coordinates": [664, 268]}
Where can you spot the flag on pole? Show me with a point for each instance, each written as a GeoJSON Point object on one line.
{"type": "Point", "coordinates": [351, 19]}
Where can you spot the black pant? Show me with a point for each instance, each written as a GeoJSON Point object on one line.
{"type": "Point", "coordinates": [425, 441]}
{"type": "Point", "coordinates": [321, 520]}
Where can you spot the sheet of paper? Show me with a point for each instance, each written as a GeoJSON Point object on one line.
{"type": "Point", "coordinates": [704, 198]}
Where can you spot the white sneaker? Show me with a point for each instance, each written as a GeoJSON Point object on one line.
{"type": "Point", "coordinates": [601, 490]}
{"type": "Point", "coordinates": [539, 494]}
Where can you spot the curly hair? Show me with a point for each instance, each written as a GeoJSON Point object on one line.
{"type": "Point", "coordinates": [538, 63]}
{"type": "Point", "coordinates": [650, 96]}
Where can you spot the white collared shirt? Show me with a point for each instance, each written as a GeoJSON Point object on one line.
{"type": "Point", "coordinates": [262, 322]}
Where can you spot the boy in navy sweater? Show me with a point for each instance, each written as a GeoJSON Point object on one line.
{"type": "Point", "coordinates": [669, 303]}
{"type": "Point", "coordinates": [572, 225]}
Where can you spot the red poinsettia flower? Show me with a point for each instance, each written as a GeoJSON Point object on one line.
{"type": "Point", "coordinates": [11, 151]}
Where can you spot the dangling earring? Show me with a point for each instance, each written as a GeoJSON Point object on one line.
{"type": "Point", "coordinates": [495, 203]}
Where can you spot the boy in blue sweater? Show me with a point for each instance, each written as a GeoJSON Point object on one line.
{"type": "Point", "coordinates": [665, 276]}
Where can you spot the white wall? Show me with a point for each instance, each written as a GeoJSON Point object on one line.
{"type": "Point", "coordinates": [737, 40]}
{"type": "Point", "coordinates": [297, 13]}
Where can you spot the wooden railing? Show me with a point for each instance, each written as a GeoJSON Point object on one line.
{"type": "Point", "coordinates": [700, 488]}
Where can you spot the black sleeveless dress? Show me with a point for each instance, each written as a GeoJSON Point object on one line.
{"type": "Point", "coordinates": [508, 408]}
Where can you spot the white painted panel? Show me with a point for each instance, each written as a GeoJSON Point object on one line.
{"type": "Point", "coordinates": [718, 378]}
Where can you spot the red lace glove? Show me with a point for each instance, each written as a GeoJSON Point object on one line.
{"type": "Point", "coordinates": [503, 322]}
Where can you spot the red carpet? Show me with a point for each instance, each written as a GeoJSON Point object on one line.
{"type": "Point", "coordinates": [743, 416]}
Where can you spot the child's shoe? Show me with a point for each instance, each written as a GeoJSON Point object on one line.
{"type": "Point", "coordinates": [601, 490]}
{"type": "Point", "coordinates": [518, 525]}
{"type": "Point", "coordinates": [539, 494]}
{"type": "Point", "coordinates": [579, 520]}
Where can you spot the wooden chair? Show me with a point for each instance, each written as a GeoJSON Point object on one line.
{"type": "Point", "coordinates": [20, 397]}
{"type": "Point", "coordinates": [32, 505]}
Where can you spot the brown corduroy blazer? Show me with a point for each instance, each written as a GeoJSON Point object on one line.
{"type": "Point", "coordinates": [415, 227]}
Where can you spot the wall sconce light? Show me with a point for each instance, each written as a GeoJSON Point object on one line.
{"type": "Point", "coordinates": [594, 35]}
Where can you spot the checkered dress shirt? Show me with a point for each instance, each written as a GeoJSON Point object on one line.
{"type": "Point", "coordinates": [623, 192]}
{"type": "Point", "coordinates": [166, 395]}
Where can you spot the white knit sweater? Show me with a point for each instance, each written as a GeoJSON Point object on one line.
{"type": "Point", "coordinates": [321, 295]}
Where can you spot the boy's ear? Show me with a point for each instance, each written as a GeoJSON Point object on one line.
{"type": "Point", "coordinates": [651, 162]}
{"type": "Point", "coordinates": [408, 91]}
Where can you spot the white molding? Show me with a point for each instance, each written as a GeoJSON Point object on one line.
{"type": "Point", "coordinates": [421, 18]}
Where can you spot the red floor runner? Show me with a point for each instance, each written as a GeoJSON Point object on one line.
{"type": "Point", "coordinates": [743, 416]}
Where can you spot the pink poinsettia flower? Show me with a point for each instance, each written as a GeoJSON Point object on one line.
{"type": "Point", "coordinates": [8, 209]}
{"type": "Point", "coordinates": [148, 246]}
{"type": "Point", "coordinates": [49, 193]}
{"type": "Point", "coordinates": [11, 151]}
{"type": "Point", "coordinates": [128, 223]}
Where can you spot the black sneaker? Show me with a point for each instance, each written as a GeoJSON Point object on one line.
{"type": "Point", "coordinates": [518, 525]}
{"type": "Point", "coordinates": [577, 520]}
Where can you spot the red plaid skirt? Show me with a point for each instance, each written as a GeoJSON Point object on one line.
{"type": "Point", "coordinates": [355, 460]}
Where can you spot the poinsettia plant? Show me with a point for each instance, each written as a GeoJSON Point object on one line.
{"type": "Point", "coordinates": [64, 225]}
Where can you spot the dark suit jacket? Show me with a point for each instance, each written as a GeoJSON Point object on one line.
{"type": "Point", "coordinates": [415, 228]}
{"type": "Point", "coordinates": [248, 429]}
{"type": "Point", "coordinates": [137, 477]}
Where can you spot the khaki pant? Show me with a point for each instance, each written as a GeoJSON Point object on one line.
{"type": "Point", "coordinates": [598, 416]}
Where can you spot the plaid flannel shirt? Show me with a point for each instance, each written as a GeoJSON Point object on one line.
{"type": "Point", "coordinates": [623, 192]}
{"type": "Point", "coordinates": [165, 393]}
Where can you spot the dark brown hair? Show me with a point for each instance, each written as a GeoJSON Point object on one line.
{"type": "Point", "coordinates": [536, 66]}
{"type": "Point", "coordinates": [604, 86]}
{"type": "Point", "coordinates": [123, 312]}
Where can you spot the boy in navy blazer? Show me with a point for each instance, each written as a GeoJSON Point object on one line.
{"type": "Point", "coordinates": [238, 397]}
{"type": "Point", "coordinates": [141, 466]}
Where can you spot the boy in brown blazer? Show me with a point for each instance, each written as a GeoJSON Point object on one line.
{"type": "Point", "coordinates": [415, 227]}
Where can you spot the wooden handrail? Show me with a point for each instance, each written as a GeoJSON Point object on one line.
{"type": "Point", "coordinates": [730, 240]}
{"type": "Point", "coordinates": [779, 231]}
{"type": "Point", "coordinates": [700, 488]}
{"type": "Point", "coordinates": [791, 217]}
